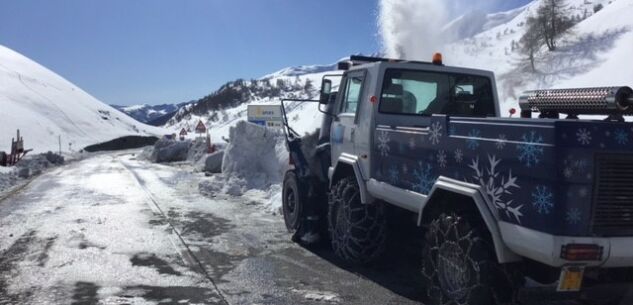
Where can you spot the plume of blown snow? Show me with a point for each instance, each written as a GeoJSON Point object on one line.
{"type": "Point", "coordinates": [411, 29]}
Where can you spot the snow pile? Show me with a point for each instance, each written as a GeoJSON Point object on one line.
{"type": "Point", "coordinates": [255, 153]}
{"type": "Point", "coordinates": [28, 167]}
{"type": "Point", "coordinates": [254, 163]}
{"type": "Point", "coordinates": [168, 150]}
{"type": "Point", "coordinates": [7, 178]}
{"type": "Point", "coordinates": [35, 164]}
{"type": "Point", "coordinates": [210, 163]}
{"type": "Point", "coordinates": [44, 106]}
{"type": "Point", "coordinates": [197, 150]}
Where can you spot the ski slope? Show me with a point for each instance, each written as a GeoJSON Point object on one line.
{"type": "Point", "coordinates": [45, 106]}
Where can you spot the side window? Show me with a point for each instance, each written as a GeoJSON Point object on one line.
{"type": "Point", "coordinates": [353, 88]}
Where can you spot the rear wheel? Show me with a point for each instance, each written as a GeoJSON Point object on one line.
{"type": "Point", "coordinates": [357, 230]}
{"type": "Point", "coordinates": [460, 267]}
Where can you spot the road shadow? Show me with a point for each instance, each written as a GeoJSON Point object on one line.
{"type": "Point", "coordinates": [398, 270]}
{"type": "Point", "coordinates": [85, 293]}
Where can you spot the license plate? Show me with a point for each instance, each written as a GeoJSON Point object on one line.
{"type": "Point", "coordinates": [570, 279]}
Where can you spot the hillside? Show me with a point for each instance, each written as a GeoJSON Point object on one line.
{"type": "Point", "coordinates": [44, 106]}
{"type": "Point", "coordinates": [145, 113]}
{"type": "Point", "coordinates": [588, 55]}
{"type": "Point", "coordinates": [228, 105]}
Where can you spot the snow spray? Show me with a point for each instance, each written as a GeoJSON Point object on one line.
{"type": "Point", "coordinates": [412, 29]}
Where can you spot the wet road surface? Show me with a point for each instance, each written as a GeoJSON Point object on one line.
{"type": "Point", "coordinates": [115, 230]}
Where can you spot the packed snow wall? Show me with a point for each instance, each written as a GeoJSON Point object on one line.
{"type": "Point", "coordinates": [256, 154]}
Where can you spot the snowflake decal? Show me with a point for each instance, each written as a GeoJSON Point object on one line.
{"type": "Point", "coordinates": [423, 178]}
{"type": "Point", "coordinates": [583, 136]}
{"type": "Point", "coordinates": [621, 137]}
{"type": "Point", "coordinates": [393, 175]}
{"type": "Point", "coordinates": [530, 150]}
{"type": "Point", "coordinates": [501, 142]}
{"type": "Point", "coordinates": [458, 155]}
{"type": "Point", "coordinates": [497, 186]}
{"type": "Point", "coordinates": [441, 158]}
{"type": "Point", "coordinates": [472, 142]}
{"type": "Point", "coordinates": [435, 133]}
{"type": "Point", "coordinates": [573, 216]}
{"type": "Point", "coordinates": [542, 199]}
{"type": "Point", "coordinates": [383, 143]}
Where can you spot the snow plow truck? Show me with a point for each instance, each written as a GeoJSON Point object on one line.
{"type": "Point", "coordinates": [546, 197]}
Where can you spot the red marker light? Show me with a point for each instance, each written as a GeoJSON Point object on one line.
{"type": "Point", "coordinates": [373, 99]}
{"type": "Point", "coordinates": [512, 111]}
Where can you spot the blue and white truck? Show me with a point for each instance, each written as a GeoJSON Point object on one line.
{"type": "Point", "coordinates": [546, 197]}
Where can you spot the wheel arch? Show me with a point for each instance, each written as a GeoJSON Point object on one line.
{"type": "Point", "coordinates": [346, 166]}
{"type": "Point", "coordinates": [444, 195]}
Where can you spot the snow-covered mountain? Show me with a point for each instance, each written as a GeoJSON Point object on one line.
{"type": "Point", "coordinates": [44, 106]}
{"type": "Point", "coordinates": [228, 105]}
{"type": "Point", "coordinates": [476, 21]}
{"type": "Point", "coordinates": [301, 70]}
{"type": "Point", "coordinates": [145, 113]}
{"type": "Point", "coordinates": [593, 53]}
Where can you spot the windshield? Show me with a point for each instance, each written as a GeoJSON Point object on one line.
{"type": "Point", "coordinates": [427, 93]}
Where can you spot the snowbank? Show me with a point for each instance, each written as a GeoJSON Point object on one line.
{"type": "Point", "coordinates": [254, 163]}
{"type": "Point", "coordinates": [166, 150]}
{"type": "Point", "coordinates": [256, 154]}
{"type": "Point", "coordinates": [211, 163]}
{"type": "Point", "coordinates": [28, 167]}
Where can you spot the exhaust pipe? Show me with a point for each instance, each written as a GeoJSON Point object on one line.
{"type": "Point", "coordinates": [600, 100]}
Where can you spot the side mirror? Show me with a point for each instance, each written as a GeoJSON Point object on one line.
{"type": "Point", "coordinates": [326, 91]}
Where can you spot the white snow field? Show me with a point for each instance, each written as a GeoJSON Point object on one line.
{"type": "Point", "coordinates": [44, 106]}
{"type": "Point", "coordinates": [593, 53]}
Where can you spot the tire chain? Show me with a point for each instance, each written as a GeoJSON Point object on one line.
{"type": "Point", "coordinates": [471, 242]}
{"type": "Point", "coordinates": [358, 231]}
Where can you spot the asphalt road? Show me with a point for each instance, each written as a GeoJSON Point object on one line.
{"type": "Point", "coordinates": [115, 230]}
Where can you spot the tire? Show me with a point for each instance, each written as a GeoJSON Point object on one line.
{"type": "Point", "coordinates": [357, 231]}
{"type": "Point", "coordinates": [293, 202]}
{"type": "Point", "coordinates": [459, 265]}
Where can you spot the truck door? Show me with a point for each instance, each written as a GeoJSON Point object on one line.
{"type": "Point", "coordinates": [344, 125]}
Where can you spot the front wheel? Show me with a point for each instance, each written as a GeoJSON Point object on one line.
{"type": "Point", "coordinates": [293, 202]}
{"type": "Point", "coordinates": [460, 267]}
{"type": "Point", "coordinates": [357, 231]}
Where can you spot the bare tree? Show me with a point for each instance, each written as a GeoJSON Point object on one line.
{"type": "Point", "coordinates": [552, 19]}
{"type": "Point", "coordinates": [531, 41]}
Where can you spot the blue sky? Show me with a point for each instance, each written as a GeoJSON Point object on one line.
{"type": "Point", "coordinates": [151, 51]}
